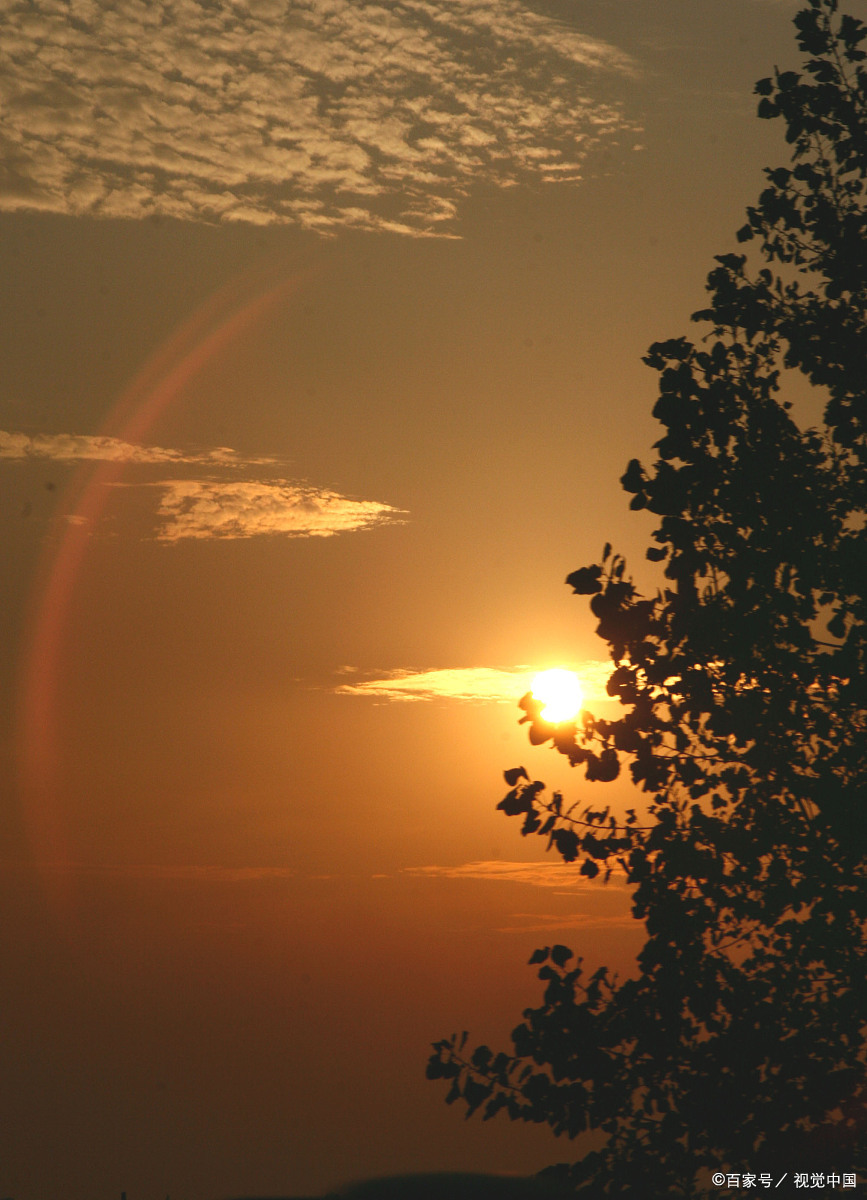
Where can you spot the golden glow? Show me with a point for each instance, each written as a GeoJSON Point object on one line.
{"type": "Point", "coordinates": [560, 692]}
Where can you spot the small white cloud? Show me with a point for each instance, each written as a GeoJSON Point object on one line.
{"type": "Point", "coordinates": [502, 685]}
{"type": "Point", "coordinates": [195, 508]}
{"type": "Point", "coordinates": [350, 112]}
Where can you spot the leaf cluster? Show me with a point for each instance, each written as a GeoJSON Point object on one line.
{"type": "Point", "coordinates": [742, 686]}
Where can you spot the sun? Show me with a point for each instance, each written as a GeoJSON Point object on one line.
{"type": "Point", "coordinates": [560, 692]}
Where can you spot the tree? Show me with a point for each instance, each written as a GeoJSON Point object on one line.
{"type": "Point", "coordinates": [741, 1044]}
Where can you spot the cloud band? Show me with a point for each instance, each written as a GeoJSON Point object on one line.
{"type": "Point", "coordinates": [321, 113]}
{"type": "Point", "coordinates": [194, 508]}
{"type": "Point", "coordinates": [503, 685]}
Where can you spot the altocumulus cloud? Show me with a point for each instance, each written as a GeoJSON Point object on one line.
{"type": "Point", "coordinates": [323, 113]}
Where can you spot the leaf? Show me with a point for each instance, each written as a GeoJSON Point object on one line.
{"type": "Point", "coordinates": [567, 844]}
{"type": "Point", "coordinates": [585, 580]}
{"type": "Point", "coordinates": [633, 478]}
{"type": "Point", "coordinates": [560, 955]}
{"type": "Point", "coordinates": [603, 768]}
{"type": "Point", "coordinates": [434, 1069]}
{"type": "Point", "coordinates": [475, 1094]}
{"type": "Point", "coordinates": [517, 801]}
{"type": "Point", "coordinates": [481, 1057]}
{"type": "Point", "coordinates": [837, 625]}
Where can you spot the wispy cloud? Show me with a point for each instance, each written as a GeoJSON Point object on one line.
{"type": "Point", "coordinates": [500, 684]}
{"type": "Point", "coordinates": [551, 922]}
{"type": "Point", "coordinates": [71, 447]}
{"type": "Point", "coordinates": [369, 113]}
{"type": "Point", "coordinates": [558, 877]}
{"type": "Point", "coordinates": [562, 876]}
{"type": "Point", "coordinates": [195, 508]}
{"type": "Point", "coordinates": [213, 507]}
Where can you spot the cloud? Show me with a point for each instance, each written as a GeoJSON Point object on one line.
{"type": "Point", "coordinates": [213, 507]}
{"type": "Point", "coordinates": [560, 875]}
{"type": "Point", "coordinates": [503, 685]}
{"type": "Point", "coordinates": [196, 508]}
{"type": "Point", "coordinates": [550, 922]}
{"type": "Point", "coordinates": [561, 878]}
{"type": "Point", "coordinates": [70, 447]}
{"type": "Point", "coordinates": [377, 114]}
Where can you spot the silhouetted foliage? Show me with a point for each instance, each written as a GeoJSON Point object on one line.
{"type": "Point", "coordinates": [740, 1046]}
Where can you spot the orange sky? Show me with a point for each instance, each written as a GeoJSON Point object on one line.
{"type": "Point", "coordinates": [321, 352]}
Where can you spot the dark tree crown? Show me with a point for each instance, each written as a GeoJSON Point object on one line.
{"type": "Point", "coordinates": [743, 688]}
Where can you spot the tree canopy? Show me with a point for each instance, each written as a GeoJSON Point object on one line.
{"type": "Point", "coordinates": [741, 1043]}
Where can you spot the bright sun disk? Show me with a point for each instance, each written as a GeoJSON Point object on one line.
{"type": "Point", "coordinates": [560, 692]}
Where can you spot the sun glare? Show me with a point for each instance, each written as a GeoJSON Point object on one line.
{"type": "Point", "coordinates": [560, 692]}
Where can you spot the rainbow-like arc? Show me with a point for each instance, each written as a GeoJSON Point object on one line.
{"type": "Point", "coordinates": [217, 323]}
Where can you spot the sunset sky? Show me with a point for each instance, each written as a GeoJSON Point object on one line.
{"type": "Point", "coordinates": [322, 337]}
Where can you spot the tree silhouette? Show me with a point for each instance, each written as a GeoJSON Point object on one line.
{"type": "Point", "coordinates": [740, 1047]}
